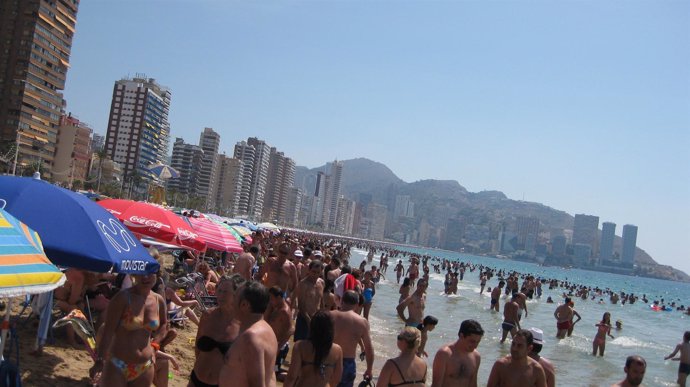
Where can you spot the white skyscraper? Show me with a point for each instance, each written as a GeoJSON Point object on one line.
{"type": "Point", "coordinates": [138, 128]}
{"type": "Point", "coordinates": [629, 244]}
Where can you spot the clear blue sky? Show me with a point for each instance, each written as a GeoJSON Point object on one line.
{"type": "Point", "coordinates": [583, 106]}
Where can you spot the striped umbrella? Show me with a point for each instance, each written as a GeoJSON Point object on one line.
{"type": "Point", "coordinates": [216, 236]}
{"type": "Point", "coordinates": [24, 267]}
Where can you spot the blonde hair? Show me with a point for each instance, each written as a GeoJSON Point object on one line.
{"type": "Point", "coordinates": [412, 337]}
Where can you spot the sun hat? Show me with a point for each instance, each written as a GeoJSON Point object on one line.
{"type": "Point", "coordinates": [537, 336]}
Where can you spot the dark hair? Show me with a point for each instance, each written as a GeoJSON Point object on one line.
{"type": "Point", "coordinates": [321, 336]}
{"type": "Point", "coordinates": [686, 336]}
{"type": "Point", "coordinates": [470, 327]}
{"type": "Point", "coordinates": [275, 291]}
{"type": "Point", "coordinates": [235, 279]}
{"type": "Point", "coordinates": [527, 335]}
{"type": "Point", "coordinates": [256, 295]}
{"type": "Point", "coordinates": [536, 348]}
{"type": "Point", "coordinates": [350, 297]}
{"type": "Point", "coordinates": [307, 252]}
{"type": "Point", "coordinates": [254, 249]}
{"type": "Point", "coordinates": [430, 320]}
{"type": "Point", "coordinates": [406, 281]}
{"type": "Point", "coordinates": [315, 263]}
{"type": "Point", "coordinates": [639, 360]}
{"type": "Point", "coordinates": [346, 270]}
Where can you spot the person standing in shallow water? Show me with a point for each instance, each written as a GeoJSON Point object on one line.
{"type": "Point", "coordinates": [457, 364]}
{"type": "Point", "coordinates": [684, 366]}
{"type": "Point", "coordinates": [603, 329]}
{"type": "Point", "coordinates": [537, 345]}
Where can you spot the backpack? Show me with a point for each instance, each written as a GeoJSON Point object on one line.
{"type": "Point", "coordinates": [9, 372]}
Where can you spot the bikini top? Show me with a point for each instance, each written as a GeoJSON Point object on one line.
{"type": "Point", "coordinates": [132, 322]}
{"type": "Point", "coordinates": [322, 367]}
{"type": "Point", "coordinates": [207, 344]}
{"type": "Point", "coordinates": [404, 382]}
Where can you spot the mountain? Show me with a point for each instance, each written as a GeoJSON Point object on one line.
{"type": "Point", "coordinates": [438, 201]}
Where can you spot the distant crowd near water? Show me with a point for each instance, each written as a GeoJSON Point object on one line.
{"type": "Point", "coordinates": [307, 309]}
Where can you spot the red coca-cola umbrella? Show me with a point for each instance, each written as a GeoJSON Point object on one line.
{"type": "Point", "coordinates": [154, 221]}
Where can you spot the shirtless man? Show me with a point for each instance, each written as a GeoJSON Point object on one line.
{"type": "Point", "coordinates": [349, 329]}
{"type": "Point", "coordinates": [563, 315]}
{"type": "Point", "coordinates": [251, 360]}
{"type": "Point", "coordinates": [522, 303]}
{"type": "Point", "coordinates": [635, 366]}
{"type": "Point", "coordinates": [496, 295]}
{"type": "Point", "coordinates": [278, 271]}
{"type": "Point", "coordinates": [684, 366]}
{"type": "Point", "coordinates": [537, 344]}
{"type": "Point", "coordinates": [457, 364]}
{"type": "Point", "coordinates": [309, 299]}
{"type": "Point", "coordinates": [413, 271]}
{"type": "Point", "coordinates": [244, 266]}
{"type": "Point", "coordinates": [511, 320]}
{"type": "Point", "coordinates": [415, 304]}
{"type": "Point", "coordinates": [518, 369]}
{"type": "Point", "coordinates": [279, 317]}
{"type": "Point", "coordinates": [399, 270]}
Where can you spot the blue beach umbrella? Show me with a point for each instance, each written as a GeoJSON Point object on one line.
{"type": "Point", "coordinates": [76, 232]}
{"type": "Point", "coordinates": [163, 171]}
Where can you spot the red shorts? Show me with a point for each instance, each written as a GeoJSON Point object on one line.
{"type": "Point", "coordinates": [563, 325]}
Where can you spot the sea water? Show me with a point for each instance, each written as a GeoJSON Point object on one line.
{"type": "Point", "coordinates": [645, 332]}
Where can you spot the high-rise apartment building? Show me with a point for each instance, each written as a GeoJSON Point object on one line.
{"type": "Point", "coordinates": [404, 207]}
{"type": "Point", "coordinates": [97, 142]}
{"type": "Point", "coordinates": [187, 159]}
{"type": "Point", "coordinates": [294, 216]}
{"type": "Point", "coordinates": [629, 244]}
{"type": "Point", "coordinates": [281, 177]}
{"type": "Point", "coordinates": [608, 234]}
{"type": "Point", "coordinates": [346, 216]}
{"type": "Point", "coordinates": [228, 185]}
{"type": "Point", "coordinates": [527, 230]}
{"type": "Point", "coordinates": [332, 194]}
{"type": "Point", "coordinates": [73, 151]}
{"type": "Point", "coordinates": [138, 128]}
{"type": "Point", "coordinates": [585, 230]}
{"type": "Point", "coordinates": [255, 156]}
{"type": "Point", "coordinates": [377, 226]}
{"type": "Point", "coordinates": [35, 45]}
{"type": "Point", "coordinates": [209, 141]}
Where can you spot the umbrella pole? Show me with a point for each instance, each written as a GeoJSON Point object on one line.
{"type": "Point", "coordinates": [5, 328]}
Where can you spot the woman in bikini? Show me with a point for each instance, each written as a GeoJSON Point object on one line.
{"type": "Point", "coordinates": [218, 329]}
{"type": "Point", "coordinates": [134, 326]}
{"type": "Point", "coordinates": [603, 329]}
{"type": "Point", "coordinates": [407, 369]}
{"type": "Point", "coordinates": [316, 362]}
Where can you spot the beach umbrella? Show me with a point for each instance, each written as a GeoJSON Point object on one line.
{"type": "Point", "coordinates": [153, 221]}
{"type": "Point", "coordinates": [163, 171]}
{"type": "Point", "coordinates": [268, 226]}
{"type": "Point", "coordinates": [244, 223]}
{"type": "Point", "coordinates": [24, 267]}
{"type": "Point", "coordinates": [216, 236]}
{"type": "Point", "coordinates": [75, 231]}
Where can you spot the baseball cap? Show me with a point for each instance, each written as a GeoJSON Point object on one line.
{"type": "Point", "coordinates": [298, 253]}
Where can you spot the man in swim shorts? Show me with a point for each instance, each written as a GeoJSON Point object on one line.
{"type": "Point", "coordinates": [511, 322]}
{"type": "Point", "coordinates": [563, 315]}
{"type": "Point", "coordinates": [495, 295]}
{"type": "Point", "coordinates": [684, 366]}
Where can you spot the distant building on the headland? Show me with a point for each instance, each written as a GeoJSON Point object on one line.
{"type": "Point", "coordinates": [138, 129]}
{"type": "Point", "coordinates": [629, 245]}
{"type": "Point", "coordinates": [558, 245]}
{"type": "Point", "coordinates": [608, 234]}
{"type": "Point", "coordinates": [97, 142]}
{"type": "Point", "coordinates": [404, 207]}
{"type": "Point", "coordinates": [72, 152]}
{"type": "Point", "coordinates": [585, 230]}
{"type": "Point", "coordinates": [527, 230]}
{"type": "Point", "coordinates": [36, 40]}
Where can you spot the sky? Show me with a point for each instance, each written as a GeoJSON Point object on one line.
{"type": "Point", "coordinates": [583, 106]}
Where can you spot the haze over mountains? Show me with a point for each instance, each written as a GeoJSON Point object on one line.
{"type": "Point", "coordinates": [437, 201]}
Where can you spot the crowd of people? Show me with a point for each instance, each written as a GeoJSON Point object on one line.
{"type": "Point", "coordinates": [296, 292]}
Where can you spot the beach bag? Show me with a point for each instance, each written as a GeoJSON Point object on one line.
{"type": "Point", "coordinates": [9, 372]}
